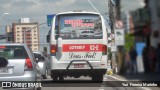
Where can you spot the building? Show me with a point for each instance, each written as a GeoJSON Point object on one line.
{"type": "Point", "coordinates": [149, 17]}
{"type": "Point", "coordinates": [26, 32]}
{"type": "Point", "coordinates": [154, 6]}
{"type": "Point", "coordinates": [9, 34]}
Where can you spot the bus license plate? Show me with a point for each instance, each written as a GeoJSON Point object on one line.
{"type": "Point", "coordinates": [78, 65]}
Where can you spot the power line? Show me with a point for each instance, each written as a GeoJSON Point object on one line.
{"type": "Point", "coordinates": [93, 6]}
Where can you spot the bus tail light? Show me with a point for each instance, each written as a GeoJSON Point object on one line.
{"type": "Point", "coordinates": [104, 50]}
{"type": "Point", "coordinates": [53, 49]}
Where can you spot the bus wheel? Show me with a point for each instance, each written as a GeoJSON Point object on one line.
{"type": "Point", "coordinates": [55, 78]}
{"type": "Point", "coordinates": [98, 78]}
{"type": "Point", "coordinates": [61, 78]}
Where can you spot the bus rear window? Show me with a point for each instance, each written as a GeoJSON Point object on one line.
{"type": "Point", "coordinates": [79, 26]}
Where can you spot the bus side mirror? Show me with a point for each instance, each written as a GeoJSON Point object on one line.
{"type": "Point", "coordinates": [3, 62]}
{"type": "Point", "coordinates": [48, 38]}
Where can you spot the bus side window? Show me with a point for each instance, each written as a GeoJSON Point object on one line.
{"type": "Point", "coordinates": [48, 36]}
{"type": "Point", "coordinates": [56, 32]}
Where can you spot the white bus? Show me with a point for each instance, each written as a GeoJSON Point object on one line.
{"type": "Point", "coordinates": [81, 54]}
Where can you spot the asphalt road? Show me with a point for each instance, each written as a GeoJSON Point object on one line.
{"type": "Point", "coordinates": [85, 84]}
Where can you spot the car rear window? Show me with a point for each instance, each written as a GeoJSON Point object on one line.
{"type": "Point", "coordinates": [84, 32]}
{"type": "Point", "coordinates": [91, 32]}
{"type": "Point", "coordinates": [13, 52]}
{"type": "Point", "coordinates": [37, 55]}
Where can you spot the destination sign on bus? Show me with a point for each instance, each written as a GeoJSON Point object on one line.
{"type": "Point", "coordinates": [80, 23]}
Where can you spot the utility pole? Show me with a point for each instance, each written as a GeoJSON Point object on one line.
{"type": "Point", "coordinates": [31, 29]}
{"type": "Point", "coordinates": [112, 53]}
{"type": "Point", "coordinates": [111, 14]}
{"type": "Point", "coordinates": [120, 48]}
{"type": "Point", "coordinates": [118, 10]}
{"type": "Point", "coordinates": [115, 15]}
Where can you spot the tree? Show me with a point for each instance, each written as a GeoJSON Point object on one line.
{"type": "Point", "coordinates": [129, 41]}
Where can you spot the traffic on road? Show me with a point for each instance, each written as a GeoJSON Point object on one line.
{"type": "Point", "coordinates": [76, 44]}
{"type": "Point", "coordinates": [21, 64]}
{"type": "Point", "coordinates": [80, 61]}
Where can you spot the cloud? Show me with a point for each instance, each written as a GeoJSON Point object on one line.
{"type": "Point", "coordinates": [86, 6]}
{"type": "Point", "coordinates": [23, 4]}
{"type": "Point", "coordinates": [130, 5]}
{"type": "Point", "coordinates": [38, 9]}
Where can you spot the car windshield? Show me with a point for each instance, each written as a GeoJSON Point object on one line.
{"type": "Point", "coordinates": [78, 23]}
{"type": "Point", "coordinates": [13, 52]}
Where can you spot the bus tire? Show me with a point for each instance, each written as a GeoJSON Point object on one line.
{"type": "Point", "coordinates": [61, 78]}
{"type": "Point", "coordinates": [55, 78]}
{"type": "Point", "coordinates": [98, 77]}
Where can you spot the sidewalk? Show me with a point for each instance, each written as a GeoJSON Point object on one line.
{"type": "Point", "coordinates": [140, 77]}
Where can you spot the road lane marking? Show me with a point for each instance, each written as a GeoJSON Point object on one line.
{"type": "Point", "coordinates": [115, 78]}
{"type": "Point", "coordinates": [101, 89]}
{"type": "Point", "coordinates": [104, 79]}
{"type": "Point", "coordinates": [144, 88]}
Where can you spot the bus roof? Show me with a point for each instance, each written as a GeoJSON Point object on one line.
{"type": "Point", "coordinates": [78, 12]}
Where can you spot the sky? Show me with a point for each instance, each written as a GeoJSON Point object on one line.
{"type": "Point", "coordinates": [37, 10]}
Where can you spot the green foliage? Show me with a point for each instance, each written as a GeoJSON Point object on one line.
{"type": "Point", "coordinates": [109, 53]}
{"type": "Point", "coordinates": [45, 49]}
{"type": "Point", "coordinates": [129, 41]}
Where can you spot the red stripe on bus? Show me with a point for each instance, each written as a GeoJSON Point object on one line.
{"type": "Point", "coordinates": [2, 47]}
{"type": "Point", "coordinates": [82, 47]}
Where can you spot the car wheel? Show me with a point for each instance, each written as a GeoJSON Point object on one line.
{"type": "Point", "coordinates": [39, 78]}
{"type": "Point", "coordinates": [39, 88]}
{"type": "Point", "coordinates": [46, 74]}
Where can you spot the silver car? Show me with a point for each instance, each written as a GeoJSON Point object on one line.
{"type": "Point", "coordinates": [87, 33]}
{"type": "Point", "coordinates": [21, 64]}
{"type": "Point", "coordinates": [42, 63]}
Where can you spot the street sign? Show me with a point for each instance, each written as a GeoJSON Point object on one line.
{"type": "Point", "coordinates": [119, 24]}
{"type": "Point", "coordinates": [119, 37]}
{"type": "Point", "coordinates": [112, 36]}
{"type": "Point", "coordinates": [49, 19]}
